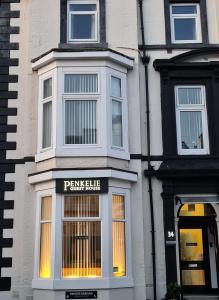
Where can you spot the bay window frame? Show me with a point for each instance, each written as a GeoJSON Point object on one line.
{"type": "Point", "coordinates": [107, 279]}
{"type": "Point", "coordinates": [193, 108]}
{"type": "Point", "coordinates": [104, 67]}
{"type": "Point", "coordinates": [197, 18]}
{"type": "Point", "coordinates": [95, 13]}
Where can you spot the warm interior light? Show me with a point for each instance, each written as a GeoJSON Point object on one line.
{"type": "Point", "coordinates": [118, 228]}
{"type": "Point", "coordinates": [192, 210]}
{"type": "Point", "coordinates": [45, 238]}
{"type": "Point", "coordinates": [81, 241]}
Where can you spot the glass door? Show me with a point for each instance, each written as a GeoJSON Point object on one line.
{"type": "Point", "coordinates": [194, 258]}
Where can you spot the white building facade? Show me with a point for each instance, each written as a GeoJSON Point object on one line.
{"type": "Point", "coordinates": [116, 163]}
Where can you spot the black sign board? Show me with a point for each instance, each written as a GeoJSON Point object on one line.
{"type": "Point", "coordinates": [81, 295]}
{"type": "Point", "coordinates": [170, 235]}
{"type": "Point", "coordinates": [82, 186]}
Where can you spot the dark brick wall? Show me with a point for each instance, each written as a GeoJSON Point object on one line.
{"type": "Point", "coordinates": [6, 166]}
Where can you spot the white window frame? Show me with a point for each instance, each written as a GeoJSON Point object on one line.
{"type": "Point", "coordinates": [40, 195]}
{"type": "Point", "coordinates": [103, 146]}
{"type": "Point", "coordinates": [82, 97]}
{"type": "Point", "coordinates": [95, 13]}
{"type": "Point", "coordinates": [107, 279]}
{"type": "Point", "coordinates": [124, 102]}
{"type": "Point", "coordinates": [41, 103]}
{"type": "Point", "coordinates": [192, 107]}
{"type": "Point", "coordinates": [186, 16]}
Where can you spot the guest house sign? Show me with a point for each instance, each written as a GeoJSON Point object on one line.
{"type": "Point", "coordinates": [82, 186]}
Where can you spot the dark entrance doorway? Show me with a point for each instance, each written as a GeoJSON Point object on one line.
{"type": "Point", "coordinates": [198, 248]}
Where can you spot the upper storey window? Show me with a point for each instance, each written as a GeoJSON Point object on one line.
{"type": "Point", "coordinates": [83, 21]}
{"type": "Point", "coordinates": [81, 97]}
{"type": "Point", "coordinates": [185, 23]}
{"type": "Point", "coordinates": [191, 118]}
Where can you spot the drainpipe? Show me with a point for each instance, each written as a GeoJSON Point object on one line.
{"type": "Point", "coordinates": [145, 61]}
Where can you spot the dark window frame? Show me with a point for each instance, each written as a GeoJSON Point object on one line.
{"type": "Point", "coordinates": [64, 23]}
{"type": "Point", "coordinates": [194, 74]}
{"type": "Point", "coordinates": [203, 20]}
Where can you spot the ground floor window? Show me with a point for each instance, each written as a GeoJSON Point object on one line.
{"type": "Point", "coordinates": [81, 237]}
{"type": "Point", "coordinates": [84, 237]}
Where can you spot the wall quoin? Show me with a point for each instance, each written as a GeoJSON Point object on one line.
{"type": "Point", "coordinates": [6, 166]}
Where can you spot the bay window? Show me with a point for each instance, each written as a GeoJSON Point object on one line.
{"type": "Point", "coordinates": [83, 108]}
{"type": "Point", "coordinates": [84, 239]}
{"type": "Point", "coordinates": [191, 117]}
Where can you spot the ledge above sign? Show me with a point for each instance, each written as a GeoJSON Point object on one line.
{"type": "Point", "coordinates": [82, 186]}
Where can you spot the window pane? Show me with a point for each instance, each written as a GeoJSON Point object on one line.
{"type": "Point", "coordinates": [119, 253]}
{"type": "Point", "coordinates": [81, 249]}
{"type": "Point", "coordinates": [81, 206]}
{"type": "Point", "coordinates": [189, 9]}
{"type": "Point", "coordinates": [185, 29]}
{"type": "Point", "coordinates": [82, 26]}
{"type": "Point", "coordinates": [81, 83]}
{"type": "Point", "coordinates": [46, 208]}
{"type": "Point", "coordinates": [82, 7]}
{"type": "Point", "coordinates": [115, 87]}
{"type": "Point", "coordinates": [47, 125]}
{"type": "Point", "coordinates": [45, 251]}
{"type": "Point", "coordinates": [191, 245]}
{"type": "Point", "coordinates": [118, 209]}
{"type": "Point", "coordinates": [193, 277]}
{"type": "Point", "coordinates": [191, 130]}
{"type": "Point", "coordinates": [189, 95]}
{"type": "Point", "coordinates": [117, 139]}
{"type": "Point", "coordinates": [80, 122]}
{"type": "Point", "coordinates": [47, 88]}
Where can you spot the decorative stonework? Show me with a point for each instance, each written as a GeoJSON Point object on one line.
{"type": "Point", "coordinates": [6, 166]}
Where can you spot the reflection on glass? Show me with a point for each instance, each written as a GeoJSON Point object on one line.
{"type": "Point", "coordinates": [185, 9]}
{"type": "Point", "coordinates": [191, 245]}
{"type": "Point", "coordinates": [47, 88]}
{"type": "Point", "coordinates": [82, 7]}
{"type": "Point", "coordinates": [83, 26]}
{"type": "Point", "coordinates": [117, 139]}
{"type": "Point", "coordinates": [193, 277]}
{"type": "Point", "coordinates": [47, 124]}
{"type": "Point", "coordinates": [185, 29]}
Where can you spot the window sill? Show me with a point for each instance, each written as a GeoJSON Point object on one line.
{"type": "Point", "coordinates": [193, 153]}
{"type": "Point", "coordinates": [83, 45]}
{"type": "Point", "coordinates": [101, 283]}
{"type": "Point", "coordinates": [88, 151]}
